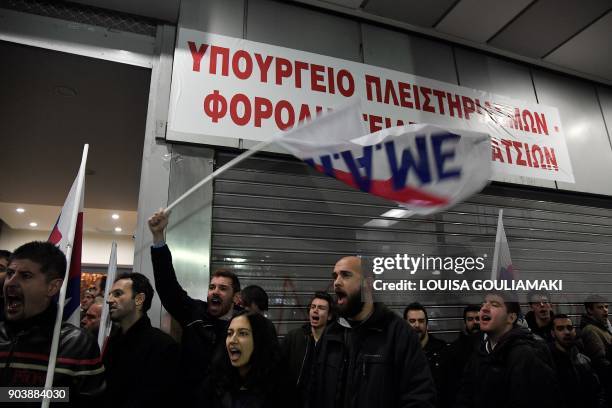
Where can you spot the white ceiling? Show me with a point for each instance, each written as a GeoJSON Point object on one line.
{"type": "Point", "coordinates": [572, 36]}
{"type": "Point", "coordinates": [52, 104]}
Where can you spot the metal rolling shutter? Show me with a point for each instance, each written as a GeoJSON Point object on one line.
{"type": "Point", "coordinates": [282, 226]}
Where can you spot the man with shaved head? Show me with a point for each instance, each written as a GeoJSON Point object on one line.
{"type": "Point", "coordinates": [369, 357]}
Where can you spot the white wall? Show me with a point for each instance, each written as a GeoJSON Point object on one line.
{"type": "Point", "coordinates": [96, 247]}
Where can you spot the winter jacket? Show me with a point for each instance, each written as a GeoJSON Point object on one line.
{"type": "Point", "coordinates": [579, 383]}
{"type": "Point", "coordinates": [202, 333]}
{"type": "Point", "coordinates": [375, 363]}
{"type": "Point", "coordinates": [298, 351]}
{"type": "Point", "coordinates": [517, 373]}
{"type": "Point", "coordinates": [24, 357]}
{"type": "Point", "coordinates": [454, 359]}
{"type": "Point", "coordinates": [433, 352]}
{"type": "Point", "coordinates": [141, 366]}
{"type": "Point", "coordinates": [597, 341]}
{"type": "Point", "coordinates": [542, 332]}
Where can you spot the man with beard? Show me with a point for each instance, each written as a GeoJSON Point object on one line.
{"type": "Point", "coordinates": [579, 384]}
{"type": "Point", "coordinates": [91, 321]}
{"type": "Point", "coordinates": [457, 355]}
{"type": "Point", "coordinates": [34, 278]}
{"type": "Point", "coordinates": [369, 357]}
{"type": "Point", "coordinates": [141, 361]}
{"type": "Point", "coordinates": [300, 345]}
{"type": "Point", "coordinates": [539, 318]}
{"type": "Point", "coordinates": [433, 347]}
{"type": "Point", "coordinates": [204, 324]}
{"type": "Point", "coordinates": [511, 368]}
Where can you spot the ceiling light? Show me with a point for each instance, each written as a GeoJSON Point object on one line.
{"type": "Point", "coordinates": [33, 224]}
{"type": "Point", "coordinates": [20, 210]}
{"type": "Point", "coordinates": [115, 216]}
{"type": "Point", "coordinates": [118, 229]}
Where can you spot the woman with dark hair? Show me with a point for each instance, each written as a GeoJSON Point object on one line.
{"type": "Point", "coordinates": [249, 373]}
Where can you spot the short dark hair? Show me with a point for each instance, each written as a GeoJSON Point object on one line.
{"type": "Point", "coordinates": [255, 294]}
{"type": "Point", "coordinates": [226, 273]}
{"type": "Point", "coordinates": [51, 259]}
{"type": "Point", "coordinates": [415, 306]}
{"type": "Point", "coordinates": [559, 316]}
{"type": "Point", "coordinates": [470, 308]}
{"type": "Point", "coordinates": [330, 302]}
{"type": "Point", "coordinates": [102, 281]}
{"type": "Point", "coordinates": [140, 284]}
{"type": "Point", "coordinates": [4, 254]}
{"type": "Point", "coordinates": [533, 293]}
{"type": "Point", "coordinates": [590, 301]}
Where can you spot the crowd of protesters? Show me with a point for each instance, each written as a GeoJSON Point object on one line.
{"type": "Point", "coordinates": [352, 352]}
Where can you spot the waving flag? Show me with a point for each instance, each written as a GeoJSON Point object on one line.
{"type": "Point", "coordinates": [424, 168]}
{"type": "Point", "coordinates": [502, 263]}
{"type": "Point", "coordinates": [69, 232]}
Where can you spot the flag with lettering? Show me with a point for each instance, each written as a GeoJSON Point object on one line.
{"type": "Point", "coordinates": [423, 168]}
{"type": "Point", "coordinates": [65, 233]}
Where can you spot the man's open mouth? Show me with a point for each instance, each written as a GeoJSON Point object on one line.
{"type": "Point", "coordinates": [315, 318]}
{"type": "Point", "coordinates": [14, 303]}
{"type": "Point", "coordinates": [485, 318]}
{"type": "Point", "coordinates": [215, 301]}
{"type": "Point", "coordinates": [342, 298]}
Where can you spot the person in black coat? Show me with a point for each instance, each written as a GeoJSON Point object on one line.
{"type": "Point", "coordinates": [511, 369]}
{"type": "Point", "coordinates": [250, 372]}
{"type": "Point", "coordinates": [141, 361]}
{"type": "Point", "coordinates": [204, 324]}
{"type": "Point", "coordinates": [579, 383]}
{"type": "Point", "coordinates": [539, 318]}
{"type": "Point", "coordinates": [370, 357]}
{"type": "Point", "coordinates": [300, 345]}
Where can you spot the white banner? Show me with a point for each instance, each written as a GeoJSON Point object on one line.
{"type": "Point", "coordinates": [234, 88]}
{"type": "Point", "coordinates": [423, 168]}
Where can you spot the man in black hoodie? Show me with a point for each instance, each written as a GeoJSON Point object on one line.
{"type": "Point", "coordinates": [511, 369]}
{"type": "Point", "coordinates": [370, 357]}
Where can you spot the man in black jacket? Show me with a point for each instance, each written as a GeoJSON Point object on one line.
{"type": "Point", "coordinates": [141, 361]}
{"type": "Point", "coordinates": [579, 383]}
{"type": "Point", "coordinates": [539, 318]}
{"type": "Point", "coordinates": [457, 355]}
{"type": "Point", "coordinates": [511, 369]}
{"type": "Point", "coordinates": [34, 278]}
{"type": "Point", "coordinates": [433, 347]}
{"type": "Point", "coordinates": [299, 346]}
{"type": "Point", "coordinates": [369, 357]}
{"type": "Point", "coordinates": [204, 324]}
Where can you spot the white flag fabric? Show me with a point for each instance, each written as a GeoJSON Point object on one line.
{"type": "Point", "coordinates": [502, 262]}
{"type": "Point", "coordinates": [105, 322]}
{"type": "Point", "coordinates": [423, 168]}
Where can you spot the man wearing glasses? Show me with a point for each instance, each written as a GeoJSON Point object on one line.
{"type": "Point", "coordinates": [579, 384]}
{"type": "Point", "coordinates": [539, 318]}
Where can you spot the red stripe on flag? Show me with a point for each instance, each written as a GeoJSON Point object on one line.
{"type": "Point", "coordinates": [384, 188]}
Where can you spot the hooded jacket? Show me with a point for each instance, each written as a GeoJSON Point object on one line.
{"type": "Point", "coordinates": [517, 373]}
{"type": "Point", "coordinates": [374, 363]}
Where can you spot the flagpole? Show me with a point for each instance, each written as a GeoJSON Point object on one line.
{"type": "Point", "coordinates": [105, 322]}
{"type": "Point", "coordinates": [222, 169]}
{"type": "Point", "coordinates": [498, 239]}
{"type": "Point", "coordinates": [62, 294]}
